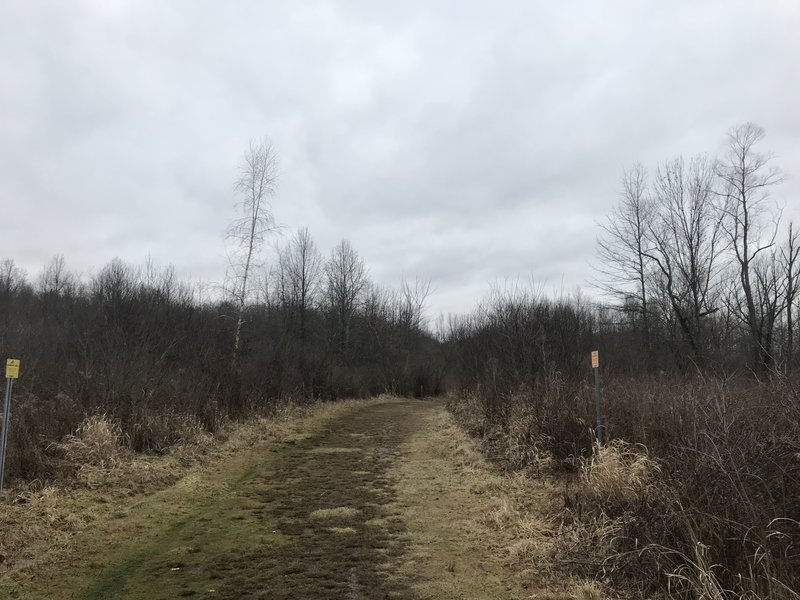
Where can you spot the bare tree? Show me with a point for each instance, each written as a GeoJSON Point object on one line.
{"type": "Point", "coordinates": [11, 277]}
{"type": "Point", "coordinates": [685, 245]}
{"type": "Point", "coordinates": [300, 266]}
{"type": "Point", "coordinates": [55, 279]}
{"type": "Point", "coordinates": [790, 264]}
{"type": "Point", "coordinates": [346, 280]}
{"type": "Point", "coordinates": [256, 185]}
{"type": "Point", "coordinates": [115, 285]}
{"type": "Point", "coordinates": [12, 280]}
{"type": "Point", "coordinates": [769, 299]}
{"type": "Point", "coordinates": [623, 245]}
{"type": "Point", "coordinates": [412, 306]}
{"type": "Point", "coordinates": [746, 177]}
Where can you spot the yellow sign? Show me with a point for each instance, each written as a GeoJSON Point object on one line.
{"type": "Point", "coordinates": [12, 368]}
{"type": "Point", "coordinates": [595, 359]}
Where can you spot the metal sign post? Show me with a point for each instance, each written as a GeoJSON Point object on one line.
{"type": "Point", "coordinates": [600, 429]}
{"type": "Point", "coordinates": [12, 373]}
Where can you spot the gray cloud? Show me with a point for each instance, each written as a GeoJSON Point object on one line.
{"type": "Point", "coordinates": [468, 141]}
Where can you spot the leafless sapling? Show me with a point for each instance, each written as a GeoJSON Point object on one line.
{"type": "Point", "coordinates": [256, 185]}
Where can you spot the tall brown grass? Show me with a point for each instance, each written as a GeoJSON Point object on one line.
{"type": "Point", "coordinates": [97, 442]}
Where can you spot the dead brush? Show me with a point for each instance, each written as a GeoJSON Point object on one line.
{"type": "Point", "coordinates": [526, 448]}
{"type": "Point", "coordinates": [697, 575]}
{"type": "Point", "coordinates": [468, 411]}
{"type": "Point", "coordinates": [589, 544]}
{"type": "Point", "coordinates": [160, 430]}
{"type": "Point", "coordinates": [618, 492]}
{"type": "Point", "coordinates": [701, 499]}
{"type": "Point", "coordinates": [96, 442]}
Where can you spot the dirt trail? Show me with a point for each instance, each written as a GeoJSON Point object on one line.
{"type": "Point", "coordinates": [310, 521]}
{"type": "Point", "coordinates": [381, 501]}
{"type": "Point", "coordinates": [328, 496]}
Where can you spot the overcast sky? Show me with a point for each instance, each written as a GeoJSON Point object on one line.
{"type": "Point", "coordinates": [465, 141]}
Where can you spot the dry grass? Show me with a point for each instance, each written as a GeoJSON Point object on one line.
{"type": "Point", "coordinates": [97, 442]}
{"type": "Point", "coordinates": [617, 474]}
{"type": "Point", "coordinates": [589, 591]}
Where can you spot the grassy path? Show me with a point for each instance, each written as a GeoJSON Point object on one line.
{"type": "Point", "coordinates": [384, 500]}
{"type": "Point", "coordinates": [307, 521]}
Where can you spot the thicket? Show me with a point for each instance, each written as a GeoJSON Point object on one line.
{"type": "Point", "coordinates": [697, 493]}
{"type": "Point", "coordinates": [155, 355]}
